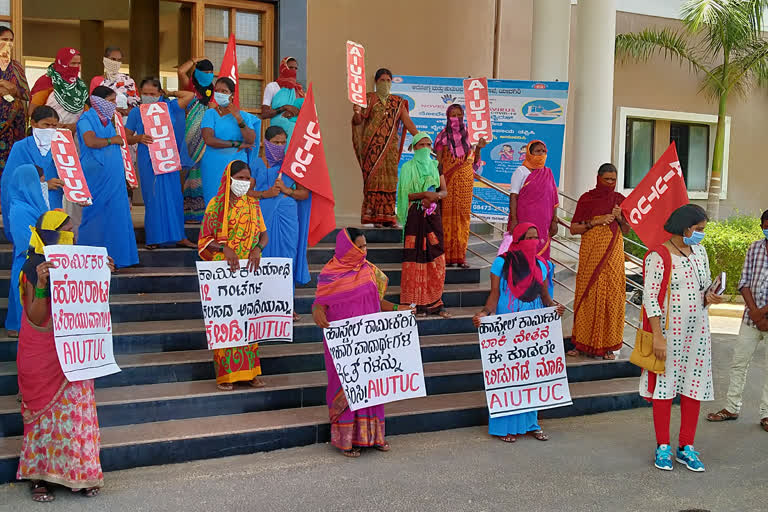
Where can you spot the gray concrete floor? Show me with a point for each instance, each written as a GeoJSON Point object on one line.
{"type": "Point", "coordinates": [593, 463]}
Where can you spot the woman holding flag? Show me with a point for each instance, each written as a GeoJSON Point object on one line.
{"type": "Point", "coordinates": [107, 222]}
{"type": "Point", "coordinates": [285, 205]}
{"type": "Point", "coordinates": [163, 200]}
{"type": "Point", "coordinates": [458, 163]}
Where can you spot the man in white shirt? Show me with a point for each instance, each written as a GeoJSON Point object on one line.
{"type": "Point", "coordinates": [272, 88]}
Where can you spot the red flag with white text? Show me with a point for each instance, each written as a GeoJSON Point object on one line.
{"type": "Point", "coordinates": [229, 67]}
{"type": "Point", "coordinates": [661, 192]}
{"type": "Point", "coordinates": [305, 163]}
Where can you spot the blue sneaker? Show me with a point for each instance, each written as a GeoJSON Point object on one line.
{"type": "Point", "coordinates": [690, 458]}
{"type": "Point", "coordinates": [664, 457]}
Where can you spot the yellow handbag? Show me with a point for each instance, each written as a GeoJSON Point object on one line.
{"type": "Point", "coordinates": [642, 355]}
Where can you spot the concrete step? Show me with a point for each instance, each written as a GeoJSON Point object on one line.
{"type": "Point", "coordinates": [164, 442]}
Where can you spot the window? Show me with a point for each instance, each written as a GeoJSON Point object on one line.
{"type": "Point", "coordinates": [692, 141]}
{"type": "Point", "coordinates": [638, 156]}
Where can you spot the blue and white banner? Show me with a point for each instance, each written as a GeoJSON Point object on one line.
{"type": "Point", "coordinates": [521, 111]}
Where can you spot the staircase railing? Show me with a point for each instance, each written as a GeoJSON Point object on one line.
{"type": "Point", "coordinates": [565, 243]}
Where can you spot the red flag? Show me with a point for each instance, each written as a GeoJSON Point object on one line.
{"type": "Point", "coordinates": [229, 67]}
{"type": "Point", "coordinates": [661, 192]}
{"type": "Point", "coordinates": [305, 163]}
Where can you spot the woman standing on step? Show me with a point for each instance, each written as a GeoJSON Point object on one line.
{"type": "Point", "coordinates": [233, 229]}
{"type": "Point", "coordinates": [107, 222]}
{"type": "Point", "coordinates": [163, 200]}
{"type": "Point", "coordinates": [349, 286]}
{"type": "Point", "coordinates": [598, 324]}
{"type": "Point", "coordinates": [458, 163]}
{"type": "Point", "coordinates": [518, 278]}
{"type": "Point", "coordinates": [419, 193]}
{"type": "Point", "coordinates": [676, 279]}
{"type": "Point", "coordinates": [61, 429]}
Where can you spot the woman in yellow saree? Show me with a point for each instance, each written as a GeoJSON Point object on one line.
{"type": "Point", "coordinates": [233, 229]}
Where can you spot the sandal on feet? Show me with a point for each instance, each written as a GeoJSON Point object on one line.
{"type": "Point", "coordinates": [464, 265]}
{"type": "Point", "coordinates": [41, 493]}
{"type": "Point", "coordinates": [352, 454]}
{"type": "Point", "coordinates": [539, 435]}
{"type": "Point", "coordinates": [186, 243]}
{"type": "Point", "coordinates": [296, 317]}
{"type": "Point", "coordinates": [383, 447]}
{"type": "Point", "coordinates": [91, 492]}
{"type": "Point", "coordinates": [609, 356]}
{"type": "Point", "coordinates": [225, 387]}
{"type": "Point", "coordinates": [764, 423]}
{"type": "Point", "coordinates": [150, 247]}
{"type": "Point", "coordinates": [572, 353]}
{"type": "Point", "coordinates": [421, 314]}
{"type": "Point", "coordinates": [257, 383]}
{"type": "Point", "coordinates": [12, 334]}
{"type": "Point", "coordinates": [509, 438]}
{"type": "Point", "coordinates": [722, 415]}
{"type": "Point", "coordinates": [444, 314]}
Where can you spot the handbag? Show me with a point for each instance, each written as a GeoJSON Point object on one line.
{"type": "Point", "coordinates": [642, 354]}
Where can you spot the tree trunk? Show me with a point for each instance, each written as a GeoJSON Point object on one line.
{"type": "Point", "coordinates": [715, 179]}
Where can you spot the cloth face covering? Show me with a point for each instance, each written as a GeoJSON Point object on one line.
{"type": "Point", "coordinates": [43, 137]}
{"type": "Point", "coordinates": [240, 187]}
{"type": "Point", "coordinates": [111, 67]}
{"type": "Point", "coordinates": [275, 153]}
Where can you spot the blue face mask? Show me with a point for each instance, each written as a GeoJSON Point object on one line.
{"type": "Point", "coordinates": [765, 232]}
{"type": "Point", "coordinates": [222, 99]}
{"type": "Point", "coordinates": [204, 78]}
{"type": "Point", "coordinates": [695, 238]}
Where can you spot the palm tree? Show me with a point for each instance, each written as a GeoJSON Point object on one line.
{"type": "Point", "coordinates": [721, 41]}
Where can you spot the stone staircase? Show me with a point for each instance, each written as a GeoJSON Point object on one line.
{"type": "Point", "coordinates": [164, 406]}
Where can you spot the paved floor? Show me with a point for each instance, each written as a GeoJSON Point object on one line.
{"type": "Point", "coordinates": [592, 463]}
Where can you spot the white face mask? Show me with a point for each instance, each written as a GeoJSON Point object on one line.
{"type": "Point", "coordinates": [44, 190]}
{"type": "Point", "coordinates": [43, 137]}
{"type": "Point", "coordinates": [240, 187]}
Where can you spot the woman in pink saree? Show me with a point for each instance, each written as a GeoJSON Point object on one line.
{"type": "Point", "coordinates": [533, 196]}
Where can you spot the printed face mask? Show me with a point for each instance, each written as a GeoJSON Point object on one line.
{"type": "Point", "coordinates": [240, 187]}
{"type": "Point", "coordinates": [222, 99]}
{"type": "Point", "coordinates": [149, 99]}
{"type": "Point", "coordinates": [111, 67]}
{"type": "Point", "coordinates": [695, 238]}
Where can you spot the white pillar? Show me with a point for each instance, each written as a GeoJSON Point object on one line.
{"type": "Point", "coordinates": [592, 92]}
{"type": "Point", "coordinates": [551, 38]}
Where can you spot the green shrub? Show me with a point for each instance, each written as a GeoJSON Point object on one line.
{"type": "Point", "coordinates": [727, 243]}
{"type": "Point", "coordinates": [633, 249]}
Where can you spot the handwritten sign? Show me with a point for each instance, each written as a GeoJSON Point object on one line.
{"type": "Point", "coordinates": [243, 307]}
{"type": "Point", "coordinates": [377, 358]}
{"type": "Point", "coordinates": [82, 324]}
{"type": "Point", "coordinates": [478, 110]}
{"type": "Point", "coordinates": [356, 74]}
{"type": "Point", "coordinates": [68, 167]}
{"type": "Point", "coordinates": [163, 151]}
{"type": "Point", "coordinates": [523, 362]}
{"type": "Point", "coordinates": [130, 170]}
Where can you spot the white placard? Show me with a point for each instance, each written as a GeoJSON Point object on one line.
{"type": "Point", "coordinates": [377, 358]}
{"type": "Point", "coordinates": [244, 307]}
{"type": "Point", "coordinates": [82, 324]}
{"type": "Point", "coordinates": [523, 362]}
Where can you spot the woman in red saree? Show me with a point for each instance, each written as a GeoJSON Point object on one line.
{"type": "Point", "coordinates": [233, 230]}
{"type": "Point", "coordinates": [598, 324]}
{"type": "Point", "coordinates": [378, 142]}
{"type": "Point", "coordinates": [458, 163]}
{"type": "Point", "coordinates": [61, 429]}
{"type": "Point", "coordinates": [533, 196]}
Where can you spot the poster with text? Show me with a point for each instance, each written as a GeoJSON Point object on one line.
{"type": "Point", "coordinates": [377, 358]}
{"type": "Point", "coordinates": [163, 151]}
{"type": "Point", "coordinates": [523, 362]}
{"type": "Point", "coordinates": [521, 111]}
{"type": "Point", "coordinates": [82, 324]}
{"type": "Point", "coordinates": [245, 307]}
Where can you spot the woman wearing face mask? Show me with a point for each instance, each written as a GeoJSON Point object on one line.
{"type": "Point", "coordinates": [677, 277]}
{"type": "Point", "coordinates": [517, 284]}
{"type": "Point", "coordinates": [378, 146]}
{"type": "Point", "coordinates": [598, 324]}
{"type": "Point", "coordinates": [284, 97]}
{"type": "Point", "coordinates": [228, 133]}
{"type": "Point", "coordinates": [14, 95]}
{"type": "Point", "coordinates": [35, 150]}
{"type": "Point", "coordinates": [62, 89]}
{"type": "Point", "coordinates": [285, 206]}
{"type": "Point", "coordinates": [201, 83]}
{"type": "Point", "coordinates": [163, 202]}
{"type": "Point", "coordinates": [419, 192]}
{"type": "Point", "coordinates": [107, 222]}
{"type": "Point", "coordinates": [458, 163]}
{"type": "Point", "coordinates": [233, 229]}
{"type": "Point", "coordinates": [122, 84]}
{"type": "Point", "coordinates": [26, 206]}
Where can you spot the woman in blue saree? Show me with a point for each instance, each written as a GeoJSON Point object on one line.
{"type": "Point", "coordinates": [229, 135]}
{"type": "Point", "coordinates": [26, 206]}
{"type": "Point", "coordinates": [285, 206]}
{"type": "Point", "coordinates": [163, 199]}
{"type": "Point", "coordinates": [107, 222]}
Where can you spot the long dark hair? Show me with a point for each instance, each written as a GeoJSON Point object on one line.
{"type": "Point", "coordinates": [204, 94]}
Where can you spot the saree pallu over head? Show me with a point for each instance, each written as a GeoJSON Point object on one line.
{"type": "Point", "coordinates": [45, 232]}
{"type": "Point", "coordinates": [523, 273]}
{"type": "Point", "coordinates": [286, 78]}
{"type": "Point", "coordinates": [537, 201]}
{"type": "Point", "coordinates": [349, 277]}
{"type": "Point", "coordinates": [69, 90]}
{"type": "Point", "coordinates": [418, 175]}
{"type": "Point", "coordinates": [598, 201]}
{"type": "Point", "coordinates": [454, 137]}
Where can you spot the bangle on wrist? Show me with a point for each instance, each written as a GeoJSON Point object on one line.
{"type": "Point", "coordinates": [42, 293]}
{"type": "Point", "coordinates": [394, 307]}
{"type": "Point", "coordinates": [261, 247]}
